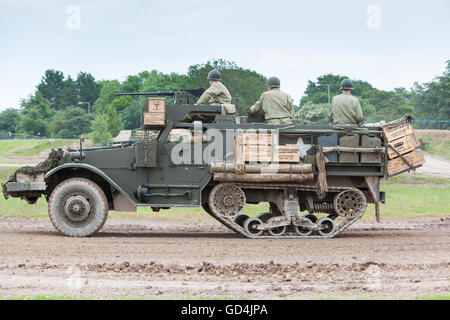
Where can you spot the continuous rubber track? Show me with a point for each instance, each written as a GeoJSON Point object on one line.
{"type": "Point", "coordinates": [230, 224]}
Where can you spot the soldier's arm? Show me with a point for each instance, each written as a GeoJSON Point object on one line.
{"type": "Point", "coordinates": [359, 114]}
{"type": "Point", "coordinates": [257, 107]}
{"type": "Point", "coordinates": [205, 97]}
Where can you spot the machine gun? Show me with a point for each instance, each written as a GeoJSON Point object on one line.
{"type": "Point", "coordinates": [180, 96]}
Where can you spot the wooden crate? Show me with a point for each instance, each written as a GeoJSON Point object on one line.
{"type": "Point", "coordinates": [403, 145]}
{"type": "Point", "coordinates": [154, 119]}
{"type": "Point", "coordinates": [156, 105]}
{"type": "Point", "coordinates": [260, 138]}
{"type": "Point", "coordinates": [398, 131]}
{"type": "Point", "coordinates": [154, 112]}
{"type": "Point", "coordinates": [261, 153]}
{"type": "Point", "coordinates": [288, 153]}
{"type": "Point", "coordinates": [397, 165]}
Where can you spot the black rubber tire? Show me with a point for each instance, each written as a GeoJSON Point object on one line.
{"type": "Point", "coordinates": [93, 194]}
{"type": "Point", "coordinates": [249, 225]}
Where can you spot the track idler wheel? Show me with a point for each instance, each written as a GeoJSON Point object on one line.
{"type": "Point", "coordinates": [327, 226]}
{"type": "Point", "coordinates": [350, 203]}
{"type": "Point", "coordinates": [251, 226]}
{"type": "Point", "coordinates": [226, 200]}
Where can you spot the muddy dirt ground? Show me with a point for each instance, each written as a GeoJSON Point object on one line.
{"type": "Point", "coordinates": [183, 258]}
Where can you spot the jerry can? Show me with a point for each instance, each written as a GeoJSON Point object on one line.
{"type": "Point", "coordinates": [350, 140]}
{"type": "Point", "coordinates": [330, 140]}
{"type": "Point", "coordinates": [370, 141]}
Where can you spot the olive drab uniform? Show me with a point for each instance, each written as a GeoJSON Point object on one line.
{"type": "Point", "coordinates": [346, 110]}
{"type": "Point", "coordinates": [276, 106]}
{"type": "Point", "coordinates": [218, 94]}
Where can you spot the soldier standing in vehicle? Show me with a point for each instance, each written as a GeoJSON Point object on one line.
{"type": "Point", "coordinates": [345, 107]}
{"type": "Point", "coordinates": [275, 104]}
{"type": "Point", "coordinates": [217, 94]}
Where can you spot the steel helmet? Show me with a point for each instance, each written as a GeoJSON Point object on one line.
{"type": "Point", "coordinates": [273, 82]}
{"type": "Point", "coordinates": [346, 84]}
{"type": "Point", "coordinates": [214, 74]}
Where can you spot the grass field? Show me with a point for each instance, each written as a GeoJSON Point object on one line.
{"type": "Point", "coordinates": [27, 148]}
{"type": "Point", "coordinates": [407, 197]}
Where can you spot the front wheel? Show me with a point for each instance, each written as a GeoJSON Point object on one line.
{"type": "Point", "coordinates": [78, 207]}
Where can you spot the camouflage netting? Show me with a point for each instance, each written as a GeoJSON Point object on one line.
{"type": "Point", "coordinates": [42, 167]}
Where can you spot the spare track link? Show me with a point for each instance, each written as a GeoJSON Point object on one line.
{"type": "Point", "coordinates": [230, 224]}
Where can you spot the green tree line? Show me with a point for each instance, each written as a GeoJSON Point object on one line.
{"type": "Point", "coordinates": [428, 101]}
{"type": "Point", "coordinates": [59, 106]}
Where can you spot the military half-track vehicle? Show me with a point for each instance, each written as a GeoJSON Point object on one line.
{"type": "Point", "coordinates": [317, 180]}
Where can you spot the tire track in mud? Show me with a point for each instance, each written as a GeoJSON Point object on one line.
{"type": "Point", "coordinates": [179, 258]}
{"type": "Point", "coordinates": [252, 281]}
{"type": "Point", "coordinates": [249, 269]}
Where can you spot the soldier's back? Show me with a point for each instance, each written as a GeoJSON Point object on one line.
{"type": "Point", "coordinates": [346, 110]}
{"type": "Point", "coordinates": [277, 104]}
{"type": "Point", "coordinates": [221, 94]}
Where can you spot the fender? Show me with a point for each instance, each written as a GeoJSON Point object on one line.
{"type": "Point", "coordinates": [94, 170]}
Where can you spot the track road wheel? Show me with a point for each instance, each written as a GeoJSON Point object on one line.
{"type": "Point", "coordinates": [240, 219]}
{"type": "Point", "coordinates": [302, 231]}
{"type": "Point", "coordinates": [250, 226]}
{"type": "Point", "coordinates": [264, 216]}
{"type": "Point", "coordinates": [78, 207]}
{"type": "Point", "coordinates": [350, 203]}
{"type": "Point", "coordinates": [328, 226]}
{"type": "Point", "coordinates": [277, 231]}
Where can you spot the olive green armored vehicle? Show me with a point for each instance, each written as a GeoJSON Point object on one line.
{"type": "Point", "coordinates": [316, 180]}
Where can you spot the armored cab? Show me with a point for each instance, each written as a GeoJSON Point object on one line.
{"type": "Point", "coordinates": [317, 180]}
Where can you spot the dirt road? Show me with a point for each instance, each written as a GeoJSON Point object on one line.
{"type": "Point", "coordinates": [178, 258]}
{"type": "Point", "coordinates": [435, 167]}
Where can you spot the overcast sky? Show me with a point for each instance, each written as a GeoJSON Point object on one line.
{"type": "Point", "coordinates": [387, 43]}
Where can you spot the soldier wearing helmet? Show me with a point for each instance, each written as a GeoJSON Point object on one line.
{"type": "Point", "coordinates": [275, 104]}
{"type": "Point", "coordinates": [346, 108]}
{"type": "Point", "coordinates": [217, 93]}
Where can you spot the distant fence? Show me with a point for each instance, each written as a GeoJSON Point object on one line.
{"type": "Point", "coordinates": [424, 124]}
{"type": "Point", "coordinates": [4, 135]}
{"type": "Point", "coordinates": [432, 124]}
